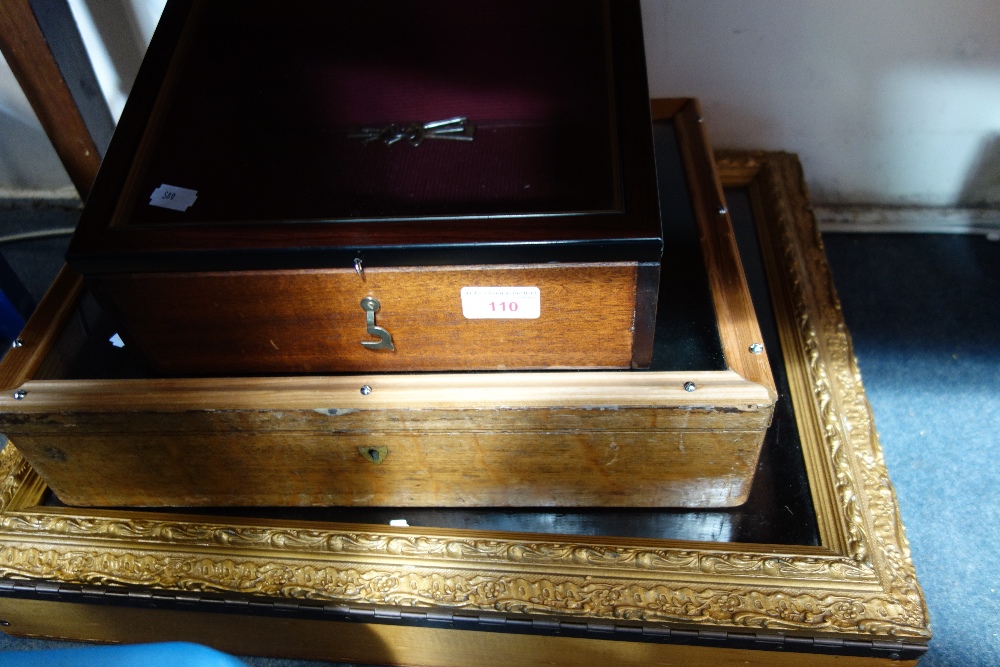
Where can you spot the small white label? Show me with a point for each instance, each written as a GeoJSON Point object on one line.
{"type": "Point", "coordinates": [117, 341]}
{"type": "Point", "coordinates": [501, 303]}
{"type": "Point", "coordinates": [173, 197]}
{"type": "Point", "coordinates": [399, 523]}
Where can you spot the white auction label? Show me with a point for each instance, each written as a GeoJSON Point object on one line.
{"type": "Point", "coordinates": [501, 303]}
{"type": "Point", "coordinates": [173, 197]}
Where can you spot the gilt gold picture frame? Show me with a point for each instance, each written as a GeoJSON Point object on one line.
{"type": "Point", "coordinates": [857, 587]}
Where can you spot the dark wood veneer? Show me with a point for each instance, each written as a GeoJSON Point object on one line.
{"type": "Point", "coordinates": [112, 239]}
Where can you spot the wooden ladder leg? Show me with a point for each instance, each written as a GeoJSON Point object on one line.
{"type": "Point", "coordinates": [31, 59]}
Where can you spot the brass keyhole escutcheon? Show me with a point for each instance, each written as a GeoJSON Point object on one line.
{"type": "Point", "coordinates": [374, 454]}
{"type": "Point", "coordinates": [384, 342]}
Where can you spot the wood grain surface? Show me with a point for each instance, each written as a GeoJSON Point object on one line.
{"type": "Point", "coordinates": [42, 329]}
{"type": "Point", "coordinates": [312, 321]}
{"type": "Point", "coordinates": [738, 327]}
{"type": "Point", "coordinates": [476, 439]}
{"type": "Point", "coordinates": [675, 468]}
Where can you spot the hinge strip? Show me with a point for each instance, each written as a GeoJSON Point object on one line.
{"type": "Point", "coordinates": [597, 629]}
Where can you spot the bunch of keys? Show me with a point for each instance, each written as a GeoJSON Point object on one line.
{"type": "Point", "coordinates": [455, 129]}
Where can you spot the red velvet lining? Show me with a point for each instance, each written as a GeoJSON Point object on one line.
{"type": "Point", "coordinates": [260, 119]}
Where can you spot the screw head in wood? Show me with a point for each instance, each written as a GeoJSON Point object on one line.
{"type": "Point", "coordinates": [757, 348]}
{"type": "Point", "coordinates": [365, 390]}
{"type": "Point", "coordinates": [20, 394]}
{"type": "Point", "coordinates": [722, 210]}
{"type": "Point", "coordinates": [17, 342]}
{"type": "Point", "coordinates": [689, 386]}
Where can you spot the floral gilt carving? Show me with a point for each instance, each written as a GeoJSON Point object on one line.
{"type": "Point", "coordinates": [860, 584]}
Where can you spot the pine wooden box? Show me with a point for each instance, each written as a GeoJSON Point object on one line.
{"type": "Point", "coordinates": [534, 242]}
{"type": "Point", "coordinates": [689, 436]}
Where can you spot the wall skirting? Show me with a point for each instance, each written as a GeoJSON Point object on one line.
{"type": "Point", "coordinates": [909, 219]}
{"type": "Point", "coordinates": [14, 197]}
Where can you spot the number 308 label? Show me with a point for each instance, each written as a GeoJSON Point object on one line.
{"type": "Point", "coordinates": [173, 197]}
{"type": "Point", "coordinates": [501, 303]}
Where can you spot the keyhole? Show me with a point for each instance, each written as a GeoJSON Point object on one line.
{"type": "Point", "coordinates": [374, 455]}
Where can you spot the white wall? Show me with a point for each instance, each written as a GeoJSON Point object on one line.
{"type": "Point", "coordinates": [115, 33]}
{"type": "Point", "coordinates": [28, 163]}
{"type": "Point", "coordinates": [886, 101]}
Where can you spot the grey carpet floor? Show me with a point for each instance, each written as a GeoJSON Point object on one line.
{"type": "Point", "coordinates": [924, 313]}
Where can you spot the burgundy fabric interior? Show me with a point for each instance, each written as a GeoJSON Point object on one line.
{"type": "Point", "coordinates": [260, 116]}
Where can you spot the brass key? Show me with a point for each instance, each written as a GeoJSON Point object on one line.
{"type": "Point", "coordinates": [384, 342]}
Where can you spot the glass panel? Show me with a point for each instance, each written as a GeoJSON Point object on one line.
{"type": "Point", "coordinates": [286, 115]}
{"type": "Point", "coordinates": [779, 510]}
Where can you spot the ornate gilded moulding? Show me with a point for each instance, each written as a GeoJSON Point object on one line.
{"type": "Point", "coordinates": [860, 583]}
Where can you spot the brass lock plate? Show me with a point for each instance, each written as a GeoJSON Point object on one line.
{"type": "Point", "coordinates": [374, 454]}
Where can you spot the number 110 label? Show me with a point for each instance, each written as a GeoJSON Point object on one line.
{"type": "Point", "coordinates": [501, 303]}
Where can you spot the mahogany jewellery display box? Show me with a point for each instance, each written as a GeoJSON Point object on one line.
{"type": "Point", "coordinates": [334, 215]}
{"type": "Point", "coordinates": [382, 186]}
